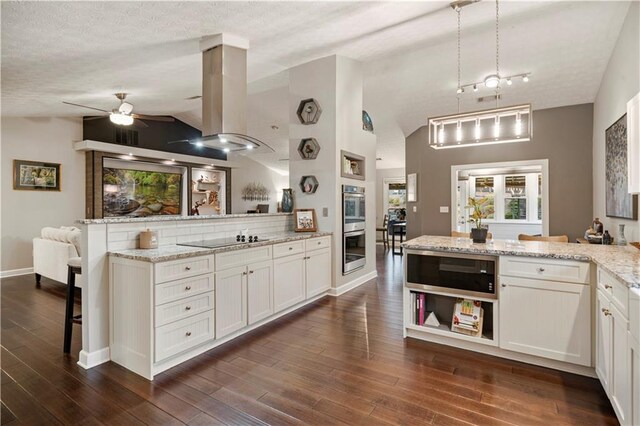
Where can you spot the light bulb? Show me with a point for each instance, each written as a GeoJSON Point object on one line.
{"type": "Point", "coordinates": [496, 128]}
{"type": "Point", "coordinates": [226, 149]}
{"type": "Point", "coordinates": [525, 78]}
{"type": "Point", "coordinates": [509, 82]}
{"type": "Point", "coordinates": [441, 134]}
{"type": "Point", "coordinates": [475, 87]}
{"type": "Point", "coordinates": [459, 132]}
{"type": "Point", "coordinates": [460, 90]}
{"type": "Point", "coordinates": [518, 124]}
{"type": "Point", "coordinates": [477, 130]}
{"type": "Point", "coordinates": [121, 119]}
{"type": "Point", "coordinates": [199, 144]}
{"type": "Point", "coordinates": [492, 81]}
{"type": "Point", "coordinates": [249, 146]}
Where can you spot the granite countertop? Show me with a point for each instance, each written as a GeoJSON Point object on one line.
{"type": "Point", "coordinates": [173, 252]}
{"type": "Point", "coordinates": [621, 261]}
{"type": "Point", "coordinates": [161, 218]}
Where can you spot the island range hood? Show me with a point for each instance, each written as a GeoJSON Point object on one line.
{"type": "Point", "coordinates": [224, 96]}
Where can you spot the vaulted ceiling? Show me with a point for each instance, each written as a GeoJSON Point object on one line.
{"type": "Point", "coordinates": [83, 52]}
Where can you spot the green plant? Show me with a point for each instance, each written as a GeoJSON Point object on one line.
{"type": "Point", "coordinates": [480, 209]}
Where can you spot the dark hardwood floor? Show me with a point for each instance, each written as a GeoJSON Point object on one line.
{"type": "Point", "coordinates": [338, 361]}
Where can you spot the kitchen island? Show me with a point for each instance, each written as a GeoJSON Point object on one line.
{"type": "Point", "coordinates": [572, 307]}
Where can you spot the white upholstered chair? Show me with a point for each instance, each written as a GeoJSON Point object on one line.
{"type": "Point", "coordinates": [52, 251]}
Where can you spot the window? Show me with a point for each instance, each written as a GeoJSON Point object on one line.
{"type": "Point", "coordinates": [485, 188]}
{"type": "Point", "coordinates": [396, 200]}
{"type": "Point", "coordinates": [515, 197]}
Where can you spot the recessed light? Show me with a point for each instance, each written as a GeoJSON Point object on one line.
{"type": "Point", "coordinates": [130, 154]}
{"type": "Point", "coordinates": [249, 146]}
{"type": "Point", "coordinates": [226, 150]}
{"type": "Point", "coordinates": [199, 144]}
{"type": "Point", "coordinates": [173, 160]}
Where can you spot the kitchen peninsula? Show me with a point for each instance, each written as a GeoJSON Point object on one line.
{"type": "Point", "coordinates": [165, 296]}
{"type": "Point", "coordinates": [572, 307]}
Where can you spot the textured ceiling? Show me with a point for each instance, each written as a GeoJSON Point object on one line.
{"type": "Point", "coordinates": [83, 52]}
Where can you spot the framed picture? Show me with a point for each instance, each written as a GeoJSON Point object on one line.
{"type": "Point", "coordinates": [412, 187]}
{"type": "Point", "coordinates": [36, 176]}
{"type": "Point", "coordinates": [305, 220]}
{"type": "Point", "coordinates": [619, 203]}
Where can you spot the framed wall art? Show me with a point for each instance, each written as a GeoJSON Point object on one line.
{"type": "Point", "coordinates": [305, 220]}
{"type": "Point", "coordinates": [619, 203]}
{"type": "Point", "coordinates": [36, 176]}
{"type": "Point", "coordinates": [412, 187]}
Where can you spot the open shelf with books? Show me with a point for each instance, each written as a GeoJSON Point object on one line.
{"type": "Point", "coordinates": [453, 316]}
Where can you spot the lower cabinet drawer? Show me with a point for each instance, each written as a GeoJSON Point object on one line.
{"type": "Point", "coordinates": [286, 249]}
{"type": "Point", "coordinates": [183, 268]}
{"type": "Point", "coordinates": [179, 336]}
{"type": "Point", "coordinates": [617, 292]}
{"type": "Point", "coordinates": [183, 308]}
{"type": "Point", "coordinates": [545, 269]}
{"type": "Point", "coordinates": [176, 290]}
{"type": "Point", "coordinates": [317, 243]}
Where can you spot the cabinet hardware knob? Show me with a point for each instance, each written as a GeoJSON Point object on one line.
{"type": "Point", "coordinates": [244, 273]}
{"type": "Point", "coordinates": [187, 288]}
{"type": "Point", "coordinates": [540, 269]}
{"type": "Point", "coordinates": [188, 268]}
{"type": "Point", "coordinates": [608, 286]}
{"type": "Point", "coordinates": [319, 242]}
{"type": "Point", "coordinates": [290, 248]}
{"type": "Point", "coordinates": [503, 285]}
{"type": "Point", "coordinates": [188, 333]}
{"type": "Point", "coordinates": [188, 308]}
{"type": "Point", "coordinates": [606, 312]}
{"type": "Point", "coordinates": [251, 272]}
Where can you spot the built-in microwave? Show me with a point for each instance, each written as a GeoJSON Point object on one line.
{"type": "Point", "coordinates": [467, 275]}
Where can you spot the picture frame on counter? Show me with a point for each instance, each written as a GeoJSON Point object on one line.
{"type": "Point", "coordinates": [36, 176]}
{"type": "Point", "coordinates": [305, 220]}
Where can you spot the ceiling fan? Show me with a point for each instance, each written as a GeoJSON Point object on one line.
{"type": "Point", "coordinates": [123, 115]}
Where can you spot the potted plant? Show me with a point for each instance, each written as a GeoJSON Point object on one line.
{"type": "Point", "coordinates": [480, 209]}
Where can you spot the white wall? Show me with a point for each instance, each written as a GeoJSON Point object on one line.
{"type": "Point", "coordinates": [621, 81]}
{"type": "Point", "coordinates": [24, 213]}
{"type": "Point", "coordinates": [251, 171]}
{"type": "Point", "coordinates": [381, 175]}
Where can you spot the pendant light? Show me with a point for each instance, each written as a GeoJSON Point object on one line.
{"type": "Point", "coordinates": [504, 124]}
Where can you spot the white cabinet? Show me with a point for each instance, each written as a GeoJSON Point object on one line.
{"type": "Point", "coordinates": [288, 281]}
{"type": "Point", "coordinates": [318, 266]}
{"type": "Point", "coordinates": [259, 291]}
{"type": "Point", "coordinates": [614, 346]}
{"type": "Point", "coordinates": [545, 318]}
{"type": "Point", "coordinates": [603, 340]}
{"type": "Point", "coordinates": [634, 347]}
{"type": "Point", "coordinates": [231, 300]}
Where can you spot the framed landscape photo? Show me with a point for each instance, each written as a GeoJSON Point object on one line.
{"type": "Point", "coordinates": [305, 220]}
{"type": "Point", "coordinates": [36, 176]}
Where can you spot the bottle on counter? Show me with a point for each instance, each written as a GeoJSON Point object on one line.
{"type": "Point", "coordinates": [597, 226]}
{"type": "Point", "coordinates": [606, 238]}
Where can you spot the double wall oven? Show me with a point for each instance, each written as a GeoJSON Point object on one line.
{"type": "Point", "coordinates": [353, 228]}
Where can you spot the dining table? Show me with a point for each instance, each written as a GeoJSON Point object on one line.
{"type": "Point", "coordinates": [397, 228]}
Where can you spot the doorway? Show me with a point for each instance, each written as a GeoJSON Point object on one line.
{"type": "Point", "coordinates": [517, 193]}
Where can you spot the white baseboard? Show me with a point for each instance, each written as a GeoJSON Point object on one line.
{"type": "Point", "coordinates": [91, 359]}
{"type": "Point", "coordinates": [16, 272]}
{"type": "Point", "coordinates": [352, 284]}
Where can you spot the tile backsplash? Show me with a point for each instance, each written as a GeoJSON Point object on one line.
{"type": "Point", "coordinates": [122, 236]}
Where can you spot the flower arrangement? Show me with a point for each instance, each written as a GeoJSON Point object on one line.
{"type": "Point", "coordinates": [480, 210]}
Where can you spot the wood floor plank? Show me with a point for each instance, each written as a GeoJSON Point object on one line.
{"type": "Point", "coordinates": [336, 361]}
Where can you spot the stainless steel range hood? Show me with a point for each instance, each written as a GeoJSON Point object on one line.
{"type": "Point", "coordinates": [224, 95]}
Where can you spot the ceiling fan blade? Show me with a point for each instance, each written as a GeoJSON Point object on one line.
{"type": "Point", "coordinates": [139, 123]}
{"type": "Point", "coordinates": [153, 117]}
{"type": "Point", "coordinates": [84, 106]}
{"type": "Point", "coordinates": [95, 118]}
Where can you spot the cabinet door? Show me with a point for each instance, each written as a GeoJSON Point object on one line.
{"type": "Point", "coordinates": [620, 367]}
{"type": "Point", "coordinates": [603, 340]}
{"type": "Point", "coordinates": [318, 272]}
{"type": "Point", "coordinates": [260, 291]}
{"type": "Point", "coordinates": [546, 318]}
{"type": "Point", "coordinates": [231, 301]}
{"type": "Point", "coordinates": [288, 281]}
{"type": "Point", "coordinates": [635, 382]}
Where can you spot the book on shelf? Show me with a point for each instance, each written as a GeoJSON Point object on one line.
{"type": "Point", "coordinates": [468, 317]}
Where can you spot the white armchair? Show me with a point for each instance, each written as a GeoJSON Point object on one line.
{"type": "Point", "coordinates": [52, 251]}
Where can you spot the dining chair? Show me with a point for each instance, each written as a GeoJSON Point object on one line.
{"type": "Point", "coordinates": [551, 238]}
{"type": "Point", "coordinates": [385, 231]}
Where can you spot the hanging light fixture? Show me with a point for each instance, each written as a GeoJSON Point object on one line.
{"type": "Point", "coordinates": [504, 124]}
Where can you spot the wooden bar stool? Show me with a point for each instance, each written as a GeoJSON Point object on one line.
{"type": "Point", "coordinates": [74, 266]}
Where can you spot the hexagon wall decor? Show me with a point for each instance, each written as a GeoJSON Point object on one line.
{"type": "Point", "coordinates": [308, 148]}
{"type": "Point", "coordinates": [309, 111]}
{"type": "Point", "coordinates": [308, 184]}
